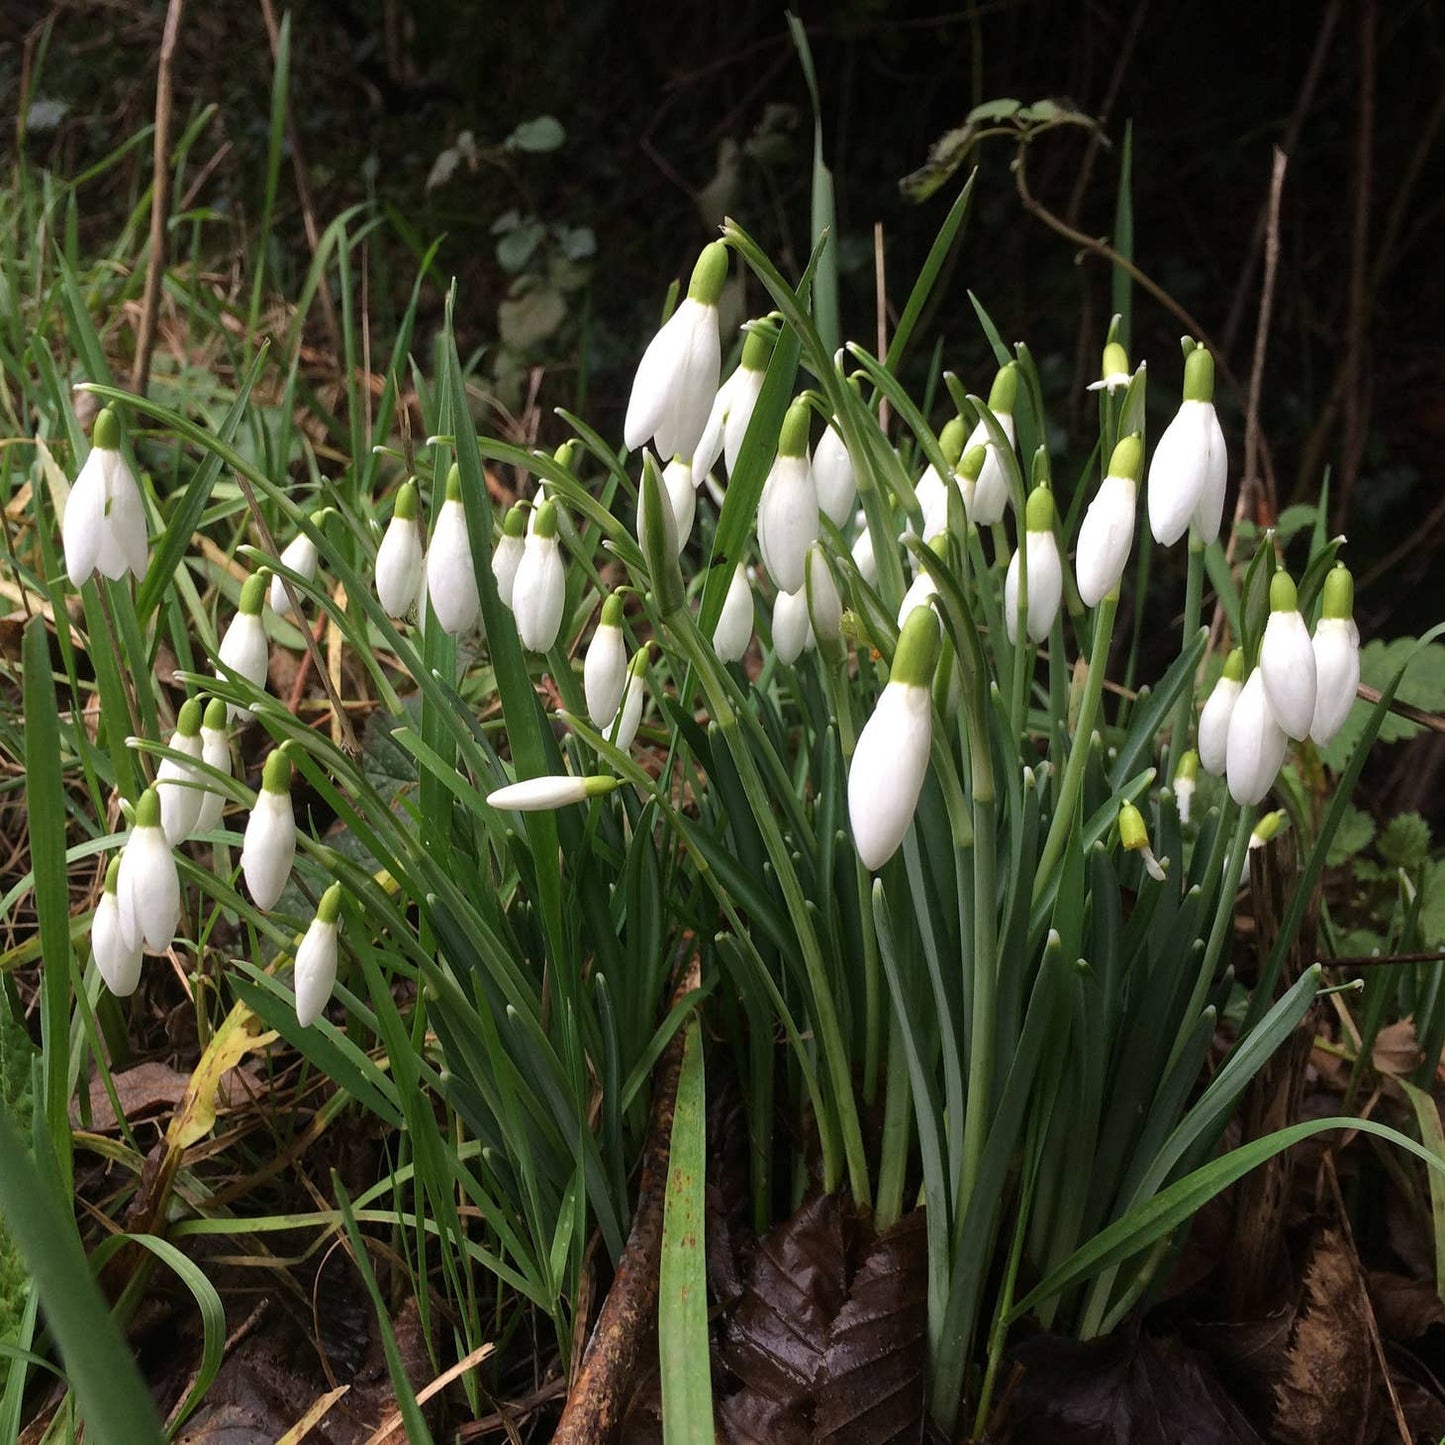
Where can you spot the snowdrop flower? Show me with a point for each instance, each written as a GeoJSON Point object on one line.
{"type": "Point", "coordinates": [215, 753]}
{"type": "Point", "coordinates": [1337, 656]}
{"type": "Point", "coordinates": [734, 630]}
{"type": "Point", "coordinates": [539, 594]}
{"type": "Point", "coordinates": [243, 653]}
{"type": "Point", "coordinates": [1190, 464]}
{"type": "Point", "coordinates": [890, 760]}
{"type": "Point", "coordinates": [791, 628]}
{"type": "Point", "coordinates": [180, 801]}
{"type": "Point", "coordinates": [1287, 660]}
{"type": "Point", "coordinates": [147, 886]}
{"type": "Point", "coordinates": [862, 552]}
{"type": "Point", "coordinates": [302, 556]}
{"type": "Point", "coordinates": [1186, 779]}
{"type": "Point", "coordinates": [923, 589]}
{"type": "Point", "coordinates": [451, 577]}
{"type": "Point", "coordinates": [677, 377]}
{"type": "Point", "coordinates": [507, 556]}
{"type": "Point", "coordinates": [629, 715]}
{"type": "Point", "coordinates": [540, 795]}
{"type": "Point", "coordinates": [970, 465]}
{"type": "Point", "coordinates": [734, 404]}
{"type": "Point", "coordinates": [1134, 837]}
{"type": "Point", "coordinates": [117, 959]}
{"type": "Point", "coordinates": [1216, 713]}
{"type": "Point", "coordinates": [1255, 750]}
{"type": "Point", "coordinates": [991, 492]}
{"type": "Point", "coordinates": [933, 490]}
{"type": "Point", "coordinates": [788, 511]}
{"type": "Point", "coordinates": [1045, 571]}
{"type": "Point", "coordinates": [103, 528]}
{"type": "Point", "coordinates": [604, 673]}
{"type": "Point", "coordinates": [825, 606]}
{"type": "Point", "coordinates": [399, 558]}
{"type": "Point", "coordinates": [1114, 375]}
{"type": "Point", "coordinates": [1107, 531]}
{"type": "Point", "coordinates": [269, 846]}
{"type": "Point", "coordinates": [314, 975]}
{"type": "Point", "coordinates": [681, 496]}
{"type": "Point", "coordinates": [834, 476]}
{"type": "Point", "coordinates": [1263, 831]}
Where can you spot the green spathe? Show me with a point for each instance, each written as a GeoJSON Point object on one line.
{"type": "Point", "coordinates": [253, 593]}
{"type": "Point", "coordinates": [951, 440]}
{"type": "Point", "coordinates": [1005, 389]}
{"type": "Point", "coordinates": [188, 720]}
{"type": "Point", "coordinates": [1199, 376]}
{"type": "Point", "coordinates": [1128, 458]}
{"type": "Point", "coordinates": [215, 718]}
{"type": "Point", "coordinates": [546, 524]}
{"type": "Point", "coordinates": [917, 654]}
{"type": "Point", "coordinates": [406, 502]}
{"type": "Point", "coordinates": [710, 274]}
{"type": "Point", "coordinates": [276, 775]}
{"type": "Point", "coordinates": [105, 434]}
{"type": "Point", "coordinates": [148, 810]}
{"type": "Point", "coordinates": [1282, 594]}
{"type": "Point", "coordinates": [454, 483]}
{"type": "Point", "coordinates": [1039, 514]}
{"type": "Point", "coordinates": [659, 540]}
{"type": "Point", "coordinates": [1234, 665]}
{"type": "Point", "coordinates": [793, 439]}
{"type": "Point", "coordinates": [1339, 593]}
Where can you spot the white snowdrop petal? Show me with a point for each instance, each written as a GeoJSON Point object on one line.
{"type": "Point", "coordinates": [1214, 725]}
{"type": "Point", "coordinates": [119, 963]}
{"type": "Point", "coordinates": [886, 776]}
{"type": "Point", "coordinates": [314, 976]}
{"type": "Point", "coordinates": [1256, 746]}
{"type": "Point", "coordinates": [1336, 647]}
{"type": "Point", "coordinates": [268, 848]}
{"type": "Point", "coordinates": [450, 575]}
{"type": "Point", "coordinates": [1287, 666]}
{"type": "Point", "coordinates": [735, 622]}
{"type": "Point", "coordinates": [1106, 536]}
{"type": "Point", "coordinates": [604, 675]}
{"type": "Point", "coordinates": [787, 521]}
{"type": "Point", "coordinates": [790, 625]}
{"type": "Point", "coordinates": [399, 567]}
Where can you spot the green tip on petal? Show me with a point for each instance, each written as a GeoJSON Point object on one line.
{"type": "Point", "coordinates": [951, 440]}
{"type": "Point", "coordinates": [188, 720]}
{"type": "Point", "coordinates": [1128, 458]}
{"type": "Point", "coordinates": [148, 810]}
{"type": "Point", "coordinates": [329, 909]}
{"type": "Point", "coordinates": [1282, 594]}
{"type": "Point", "coordinates": [793, 439]}
{"type": "Point", "coordinates": [1268, 826]}
{"type": "Point", "coordinates": [1234, 665]}
{"type": "Point", "coordinates": [638, 666]}
{"type": "Point", "coordinates": [598, 785]}
{"type": "Point", "coordinates": [1339, 596]}
{"type": "Point", "coordinates": [276, 775]}
{"type": "Point", "coordinates": [1116, 361]}
{"type": "Point", "coordinates": [566, 454]}
{"type": "Point", "coordinates": [112, 874]}
{"type": "Point", "coordinates": [216, 715]}
{"type": "Point", "coordinates": [514, 524]}
{"type": "Point", "coordinates": [1132, 832]}
{"type": "Point", "coordinates": [1039, 514]}
{"type": "Point", "coordinates": [253, 592]}
{"type": "Point", "coordinates": [1188, 769]}
{"type": "Point", "coordinates": [406, 502]}
{"type": "Point", "coordinates": [546, 520]}
{"type": "Point", "coordinates": [970, 464]}
{"type": "Point", "coordinates": [917, 652]}
{"type": "Point", "coordinates": [1199, 376]}
{"type": "Point", "coordinates": [454, 483]}
{"type": "Point", "coordinates": [1004, 390]}
{"type": "Point", "coordinates": [319, 516]}
{"type": "Point", "coordinates": [612, 611]}
{"type": "Point", "coordinates": [105, 434]}
{"type": "Point", "coordinates": [709, 275]}
{"type": "Point", "coordinates": [757, 348]}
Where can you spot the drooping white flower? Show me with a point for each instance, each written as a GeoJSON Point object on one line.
{"type": "Point", "coordinates": [825, 606]}
{"type": "Point", "coordinates": [890, 760]}
{"type": "Point", "coordinates": [539, 595]}
{"type": "Point", "coordinates": [629, 715]}
{"type": "Point", "coordinates": [921, 592]}
{"type": "Point", "coordinates": [734, 630]}
{"type": "Point", "coordinates": [303, 557]}
{"type": "Point", "coordinates": [1256, 747]}
{"type": "Point", "coordinates": [1134, 837]}
{"type": "Point", "coordinates": [1114, 374]}
{"type": "Point", "coordinates": [1263, 831]}
{"type": "Point", "coordinates": [1190, 465]}
{"type": "Point", "coordinates": [103, 528]}
{"type": "Point", "coordinates": [1186, 780]}
{"type": "Point", "coordinates": [791, 628]}
{"type": "Point", "coordinates": [215, 753]}
{"type": "Point", "coordinates": [834, 476]}
{"type": "Point", "coordinates": [314, 975]}
{"type": "Point", "coordinates": [1337, 656]}
{"type": "Point", "coordinates": [1215, 715]}
{"type": "Point", "coordinates": [148, 888]}
{"type": "Point", "coordinates": [177, 783]}
{"type": "Point", "coordinates": [734, 404]}
{"type": "Point", "coordinates": [268, 848]}
{"type": "Point", "coordinates": [451, 576]}
{"type": "Point", "coordinates": [862, 552]}
{"type": "Point", "coordinates": [681, 496]}
{"type": "Point", "coordinates": [117, 959]}
{"type": "Point", "coordinates": [677, 377]}
{"type": "Point", "coordinates": [1045, 571]}
{"type": "Point", "coordinates": [604, 673]}
{"type": "Point", "coordinates": [1287, 660]}
{"type": "Point", "coordinates": [933, 489]}
{"type": "Point", "coordinates": [788, 510]}
{"type": "Point", "coordinates": [991, 490]}
{"type": "Point", "coordinates": [540, 795]}
{"type": "Point", "coordinates": [1106, 534]}
{"type": "Point", "coordinates": [399, 558]}
{"type": "Point", "coordinates": [507, 555]}
{"type": "Point", "coordinates": [243, 653]}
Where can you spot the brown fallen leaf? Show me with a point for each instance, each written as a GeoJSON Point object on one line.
{"type": "Point", "coordinates": [1405, 1306]}
{"type": "Point", "coordinates": [150, 1087]}
{"type": "Point", "coordinates": [1329, 1391]}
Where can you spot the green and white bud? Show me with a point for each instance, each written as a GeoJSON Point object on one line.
{"type": "Point", "coordinates": [244, 654]}
{"type": "Point", "coordinates": [268, 848]}
{"type": "Point", "coordinates": [604, 673]}
{"type": "Point", "coordinates": [314, 975]}
{"type": "Point", "coordinates": [539, 595]}
{"type": "Point", "coordinates": [1106, 534]}
{"type": "Point", "coordinates": [1336, 647]}
{"type": "Point", "coordinates": [1287, 659]}
{"type": "Point", "coordinates": [788, 510]}
{"type": "Point", "coordinates": [215, 753]}
{"type": "Point", "coordinates": [148, 888]}
{"type": "Point", "coordinates": [177, 783]}
{"type": "Point", "coordinates": [991, 491]}
{"type": "Point", "coordinates": [451, 577]}
{"type": "Point", "coordinates": [540, 795]}
{"type": "Point", "coordinates": [1217, 711]}
{"type": "Point", "coordinates": [117, 959]}
{"type": "Point", "coordinates": [400, 557]}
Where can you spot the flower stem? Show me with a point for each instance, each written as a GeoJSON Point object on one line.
{"type": "Point", "coordinates": [1193, 602]}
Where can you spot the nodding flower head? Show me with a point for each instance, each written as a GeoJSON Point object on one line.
{"type": "Point", "coordinates": [269, 846]}
{"type": "Point", "coordinates": [1256, 746]}
{"type": "Point", "coordinates": [539, 795]}
{"type": "Point", "coordinates": [243, 653]}
{"type": "Point", "coordinates": [314, 975]}
{"type": "Point", "coordinates": [1287, 660]}
{"type": "Point", "coordinates": [734, 630]}
{"type": "Point", "coordinates": [788, 511]}
{"type": "Point", "coordinates": [148, 889]}
{"type": "Point", "coordinates": [117, 957]}
{"type": "Point", "coordinates": [539, 595]}
{"type": "Point", "coordinates": [991, 491]}
{"type": "Point", "coordinates": [451, 575]}
{"type": "Point", "coordinates": [303, 557]}
{"type": "Point", "coordinates": [734, 404]}
{"type": "Point", "coordinates": [1217, 711]}
{"type": "Point", "coordinates": [177, 782]}
{"type": "Point", "coordinates": [1190, 465]}
{"type": "Point", "coordinates": [1337, 656]}
{"type": "Point", "coordinates": [1045, 571]}
{"type": "Point", "coordinates": [399, 558]}
{"type": "Point", "coordinates": [103, 528]}
{"type": "Point", "coordinates": [604, 673]}
{"type": "Point", "coordinates": [507, 555]}
{"type": "Point", "coordinates": [1106, 534]}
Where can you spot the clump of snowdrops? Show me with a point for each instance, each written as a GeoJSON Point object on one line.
{"type": "Point", "coordinates": [826, 703]}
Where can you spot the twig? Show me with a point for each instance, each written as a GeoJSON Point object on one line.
{"type": "Point", "coordinates": [1251, 480]}
{"type": "Point", "coordinates": [1379, 960]}
{"type": "Point", "coordinates": [160, 203]}
{"type": "Point", "coordinates": [1407, 710]}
